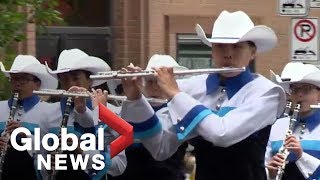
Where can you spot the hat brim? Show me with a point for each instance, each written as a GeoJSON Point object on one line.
{"type": "Point", "coordinates": [263, 37]}
{"type": "Point", "coordinates": [90, 63]}
{"type": "Point", "coordinates": [47, 81]}
{"type": "Point", "coordinates": [312, 78]}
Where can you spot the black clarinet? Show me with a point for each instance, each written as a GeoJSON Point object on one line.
{"type": "Point", "coordinates": [7, 135]}
{"type": "Point", "coordinates": [284, 151]}
{"type": "Point", "coordinates": [64, 124]}
{"type": "Point", "coordinates": [287, 109]}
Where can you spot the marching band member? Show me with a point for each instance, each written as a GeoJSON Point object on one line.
{"type": "Point", "coordinates": [303, 84]}
{"type": "Point", "coordinates": [26, 74]}
{"type": "Point", "coordinates": [223, 111]}
{"type": "Point", "coordinates": [141, 164]}
{"type": "Point", "coordinates": [73, 71]}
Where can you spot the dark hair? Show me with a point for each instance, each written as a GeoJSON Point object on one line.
{"type": "Point", "coordinates": [87, 73]}
{"type": "Point", "coordinates": [36, 79]}
{"type": "Point", "coordinates": [252, 44]}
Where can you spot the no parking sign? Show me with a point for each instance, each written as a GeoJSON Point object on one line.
{"type": "Point", "coordinates": [305, 43]}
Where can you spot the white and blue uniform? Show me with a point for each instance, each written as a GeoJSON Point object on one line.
{"type": "Point", "coordinates": [307, 130]}
{"type": "Point", "coordinates": [80, 124]}
{"type": "Point", "coordinates": [118, 163]}
{"type": "Point", "coordinates": [231, 120]}
{"type": "Point", "coordinates": [31, 112]}
{"type": "Point", "coordinates": [143, 166]}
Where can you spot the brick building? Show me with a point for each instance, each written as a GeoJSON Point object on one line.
{"type": "Point", "coordinates": [140, 28]}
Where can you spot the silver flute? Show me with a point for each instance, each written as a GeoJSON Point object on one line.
{"type": "Point", "coordinates": [86, 94]}
{"type": "Point", "coordinates": [5, 134]}
{"type": "Point", "coordinates": [284, 151]}
{"type": "Point", "coordinates": [315, 106]}
{"type": "Point", "coordinates": [150, 73]}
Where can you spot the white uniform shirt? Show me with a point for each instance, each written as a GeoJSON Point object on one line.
{"type": "Point", "coordinates": [31, 113]}
{"type": "Point", "coordinates": [309, 135]}
{"type": "Point", "coordinates": [249, 103]}
{"type": "Point", "coordinates": [84, 123]}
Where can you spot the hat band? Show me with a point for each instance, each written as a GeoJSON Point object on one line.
{"type": "Point", "coordinates": [225, 38]}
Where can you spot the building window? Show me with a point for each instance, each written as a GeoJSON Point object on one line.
{"type": "Point", "coordinates": [194, 54]}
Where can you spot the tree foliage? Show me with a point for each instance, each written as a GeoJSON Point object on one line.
{"type": "Point", "coordinates": [14, 17]}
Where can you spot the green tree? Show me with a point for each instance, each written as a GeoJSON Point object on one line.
{"type": "Point", "coordinates": [14, 17]}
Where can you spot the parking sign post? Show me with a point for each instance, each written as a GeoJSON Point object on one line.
{"type": "Point", "coordinates": [304, 39]}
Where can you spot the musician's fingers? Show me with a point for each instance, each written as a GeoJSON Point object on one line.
{"type": "Point", "coordinates": [105, 93]}
{"type": "Point", "coordinates": [158, 71]}
{"type": "Point", "coordinates": [12, 127]}
{"type": "Point", "coordinates": [123, 70]}
{"type": "Point", "coordinates": [275, 162]}
{"type": "Point", "coordinates": [170, 70]}
{"type": "Point", "coordinates": [291, 138]}
{"type": "Point", "coordinates": [10, 123]}
{"type": "Point", "coordinates": [73, 88]}
{"type": "Point", "coordinates": [130, 69]}
{"type": "Point", "coordinates": [293, 145]}
{"type": "Point", "coordinates": [272, 167]}
{"type": "Point", "coordinates": [2, 145]}
{"type": "Point", "coordinates": [2, 140]}
{"type": "Point", "coordinates": [293, 148]}
{"type": "Point", "coordinates": [278, 157]}
{"type": "Point", "coordinates": [93, 91]}
{"type": "Point", "coordinates": [77, 89]}
{"type": "Point", "coordinates": [291, 142]}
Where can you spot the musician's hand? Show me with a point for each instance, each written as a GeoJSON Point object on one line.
{"type": "Point", "coordinates": [131, 85]}
{"type": "Point", "coordinates": [167, 82]}
{"type": "Point", "coordinates": [294, 146]}
{"type": "Point", "coordinates": [12, 125]}
{"type": "Point", "coordinates": [98, 96]}
{"type": "Point", "coordinates": [274, 163]}
{"type": "Point", "coordinates": [2, 143]}
{"type": "Point", "coordinates": [79, 102]}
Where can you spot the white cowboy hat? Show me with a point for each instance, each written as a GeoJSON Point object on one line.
{"type": "Point", "coordinates": [297, 72]}
{"type": "Point", "coordinates": [158, 60]}
{"type": "Point", "coordinates": [30, 65]}
{"type": "Point", "coordinates": [236, 27]}
{"type": "Point", "coordinates": [75, 59]}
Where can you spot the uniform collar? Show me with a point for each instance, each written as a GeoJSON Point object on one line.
{"type": "Point", "coordinates": [311, 121]}
{"type": "Point", "coordinates": [27, 103]}
{"type": "Point", "coordinates": [232, 85]}
{"type": "Point", "coordinates": [157, 108]}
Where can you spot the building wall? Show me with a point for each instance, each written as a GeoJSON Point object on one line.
{"type": "Point", "coordinates": [141, 28]}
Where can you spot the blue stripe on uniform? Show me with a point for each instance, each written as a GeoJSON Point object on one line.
{"type": "Point", "coordinates": [148, 128]}
{"type": "Point", "coordinates": [316, 174]}
{"type": "Point", "coordinates": [194, 117]}
{"type": "Point", "coordinates": [224, 110]}
{"type": "Point", "coordinates": [29, 126]}
{"type": "Point", "coordinates": [191, 120]}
